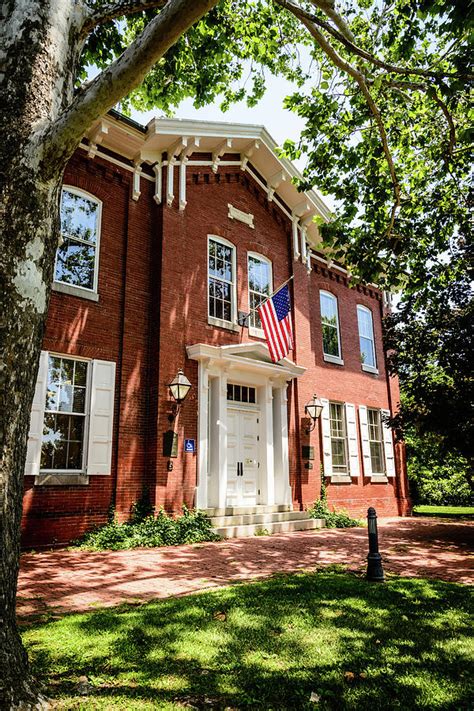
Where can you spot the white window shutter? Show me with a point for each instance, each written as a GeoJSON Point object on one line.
{"type": "Point", "coordinates": [388, 446]}
{"type": "Point", "coordinates": [354, 468]}
{"type": "Point", "coordinates": [326, 431]}
{"type": "Point", "coordinates": [101, 417]}
{"type": "Point", "coordinates": [35, 435]}
{"type": "Point", "coordinates": [364, 435]}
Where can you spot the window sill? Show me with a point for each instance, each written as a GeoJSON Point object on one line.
{"type": "Point", "coordinates": [72, 290]}
{"type": "Point", "coordinates": [333, 359]}
{"type": "Point", "coordinates": [256, 333]}
{"type": "Point", "coordinates": [220, 323]}
{"type": "Point", "coordinates": [340, 479]}
{"type": "Point", "coordinates": [370, 369]}
{"type": "Point", "coordinates": [379, 479]}
{"type": "Point", "coordinates": [61, 479]}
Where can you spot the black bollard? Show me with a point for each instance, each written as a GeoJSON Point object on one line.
{"type": "Point", "coordinates": [374, 559]}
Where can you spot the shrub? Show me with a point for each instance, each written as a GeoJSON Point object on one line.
{"type": "Point", "coordinates": [150, 532]}
{"type": "Point", "coordinates": [437, 477]}
{"type": "Point", "coordinates": [334, 519]}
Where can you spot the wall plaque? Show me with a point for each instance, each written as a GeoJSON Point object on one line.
{"type": "Point", "coordinates": [240, 215]}
{"type": "Point", "coordinates": [170, 444]}
{"type": "Point", "coordinates": [308, 452]}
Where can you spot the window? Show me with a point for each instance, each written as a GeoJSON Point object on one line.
{"type": "Point", "coordinates": [65, 415]}
{"type": "Point", "coordinates": [77, 256]}
{"type": "Point", "coordinates": [366, 338]}
{"type": "Point", "coordinates": [260, 287]}
{"type": "Point", "coordinates": [337, 424]}
{"type": "Point", "coordinates": [375, 441]}
{"type": "Point", "coordinates": [71, 422]}
{"type": "Point", "coordinates": [330, 328]}
{"type": "Point", "coordinates": [241, 393]}
{"type": "Point", "coordinates": [221, 281]}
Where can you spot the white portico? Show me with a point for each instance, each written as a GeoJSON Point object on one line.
{"type": "Point", "coordinates": [242, 426]}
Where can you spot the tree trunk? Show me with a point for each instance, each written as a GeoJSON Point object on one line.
{"type": "Point", "coordinates": [30, 240]}
{"type": "Point", "coordinates": [40, 60]}
{"type": "Point", "coordinates": [41, 44]}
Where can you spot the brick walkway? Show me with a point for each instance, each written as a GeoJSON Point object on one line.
{"type": "Point", "coordinates": [64, 581]}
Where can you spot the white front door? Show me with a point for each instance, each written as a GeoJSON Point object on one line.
{"type": "Point", "coordinates": [242, 457]}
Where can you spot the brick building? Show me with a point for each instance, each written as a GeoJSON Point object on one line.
{"type": "Point", "coordinates": [171, 235]}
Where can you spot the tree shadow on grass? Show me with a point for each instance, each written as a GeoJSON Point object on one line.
{"type": "Point", "coordinates": [270, 645]}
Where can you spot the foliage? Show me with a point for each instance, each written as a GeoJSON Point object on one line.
{"type": "Point", "coordinates": [223, 55]}
{"type": "Point", "coordinates": [334, 519]}
{"type": "Point", "coordinates": [151, 531]}
{"type": "Point", "coordinates": [383, 89]}
{"type": "Point", "coordinates": [142, 508]}
{"type": "Point", "coordinates": [268, 645]}
{"type": "Point", "coordinates": [403, 206]}
{"type": "Point", "coordinates": [436, 476]}
{"type": "Point", "coordinates": [431, 341]}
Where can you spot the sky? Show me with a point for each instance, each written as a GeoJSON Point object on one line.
{"type": "Point", "coordinates": [269, 112]}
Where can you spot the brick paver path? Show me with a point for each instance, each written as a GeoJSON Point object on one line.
{"type": "Point", "coordinates": [64, 581]}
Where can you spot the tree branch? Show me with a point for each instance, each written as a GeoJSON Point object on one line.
{"type": "Point", "coordinates": [431, 91]}
{"type": "Point", "coordinates": [299, 12]}
{"type": "Point", "coordinates": [328, 7]}
{"type": "Point", "coordinates": [452, 129]}
{"type": "Point", "coordinates": [341, 63]}
{"type": "Point", "coordinates": [112, 10]}
{"type": "Point", "coordinates": [124, 74]}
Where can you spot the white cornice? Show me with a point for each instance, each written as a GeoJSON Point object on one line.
{"type": "Point", "coordinates": [163, 133]}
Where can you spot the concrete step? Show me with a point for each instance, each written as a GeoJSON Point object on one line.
{"type": "Point", "coordinates": [244, 510]}
{"type": "Point", "coordinates": [258, 518]}
{"type": "Point", "coordinates": [252, 529]}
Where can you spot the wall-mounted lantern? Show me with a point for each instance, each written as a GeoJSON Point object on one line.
{"type": "Point", "coordinates": [313, 410]}
{"type": "Point", "coordinates": [179, 388]}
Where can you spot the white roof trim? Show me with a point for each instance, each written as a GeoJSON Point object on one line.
{"type": "Point", "coordinates": [146, 145]}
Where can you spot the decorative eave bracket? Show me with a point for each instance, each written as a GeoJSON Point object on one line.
{"type": "Point", "coordinates": [96, 137]}
{"type": "Point", "coordinates": [219, 151]}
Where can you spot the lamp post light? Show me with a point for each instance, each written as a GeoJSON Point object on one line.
{"type": "Point", "coordinates": [374, 559]}
{"type": "Point", "coordinates": [179, 388]}
{"type": "Point", "coordinates": [313, 409]}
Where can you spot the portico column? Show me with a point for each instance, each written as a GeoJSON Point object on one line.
{"type": "Point", "coordinates": [282, 466]}
{"type": "Point", "coordinates": [203, 446]}
{"type": "Point", "coordinates": [222, 430]}
{"type": "Point", "coordinates": [218, 441]}
{"type": "Point", "coordinates": [267, 476]}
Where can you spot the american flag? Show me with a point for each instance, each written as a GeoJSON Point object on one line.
{"type": "Point", "coordinates": [275, 314]}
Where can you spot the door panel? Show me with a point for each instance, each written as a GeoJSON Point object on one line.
{"type": "Point", "coordinates": [249, 454]}
{"type": "Point", "coordinates": [242, 458]}
{"type": "Point", "coordinates": [233, 439]}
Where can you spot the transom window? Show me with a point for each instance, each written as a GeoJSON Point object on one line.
{"type": "Point", "coordinates": [221, 279]}
{"type": "Point", "coordinates": [65, 415]}
{"type": "Point", "coordinates": [338, 431]}
{"type": "Point", "coordinates": [366, 336]}
{"type": "Point", "coordinates": [241, 393]}
{"type": "Point", "coordinates": [374, 422]}
{"type": "Point", "coordinates": [260, 286]}
{"type": "Point", "coordinates": [330, 326]}
{"type": "Point", "coordinates": [76, 258]}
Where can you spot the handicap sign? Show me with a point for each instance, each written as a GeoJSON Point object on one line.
{"type": "Point", "coordinates": [189, 445]}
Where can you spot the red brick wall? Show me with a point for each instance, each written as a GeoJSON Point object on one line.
{"type": "Point", "coordinates": [116, 329]}
{"type": "Point", "coordinates": [183, 308]}
{"type": "Point", "coordinates": [153, 303]}
{"type": "Point", "coordinates": [348, 383]}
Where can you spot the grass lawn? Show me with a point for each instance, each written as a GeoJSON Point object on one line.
{"type": "Point", "coordinates": [451, 511]}
{"type": "Point", "coordinates": [405, 644]}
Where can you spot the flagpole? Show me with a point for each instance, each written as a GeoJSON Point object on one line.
{"type": "Point", "coordinates": [269, 297]}
{"type": "Point", "coordinates": [277, 290]}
